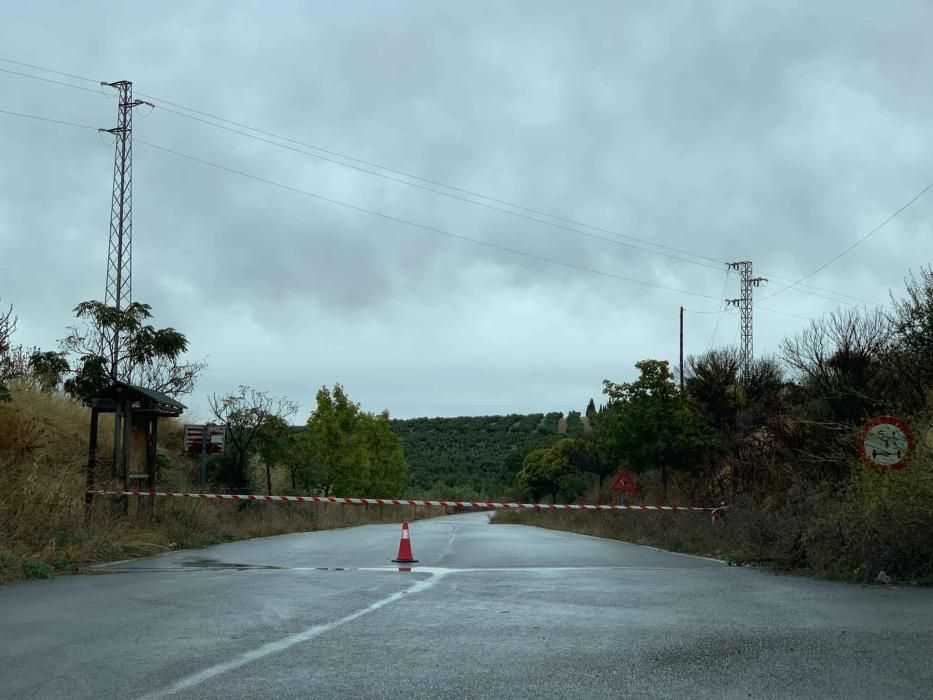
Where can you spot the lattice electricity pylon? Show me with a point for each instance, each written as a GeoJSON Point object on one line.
{"type": "Point", "coordinates": [119, 292]}
{"type": "Point", "coordinates": [745, 307]}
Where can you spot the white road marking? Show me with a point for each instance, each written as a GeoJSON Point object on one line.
{"type": "Point", "coordinates": [291, 640]}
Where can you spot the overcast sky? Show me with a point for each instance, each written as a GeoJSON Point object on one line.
{"type": "Point", "coordinates": [775, 132]}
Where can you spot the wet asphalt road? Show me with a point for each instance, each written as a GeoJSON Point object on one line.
{"type": "Point", "coordinates": [491, 611]}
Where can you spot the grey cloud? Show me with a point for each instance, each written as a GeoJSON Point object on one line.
{"type": "Point", "coordinates": [774, 132]}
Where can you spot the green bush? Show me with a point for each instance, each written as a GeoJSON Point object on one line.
{"type": "Point", "coordinates": [38, 569]}
{"type": "Point", "coordinates": [880, 522]}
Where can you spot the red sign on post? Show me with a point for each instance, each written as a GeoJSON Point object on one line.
{"type": "Point", "coordinates": [624, 482]}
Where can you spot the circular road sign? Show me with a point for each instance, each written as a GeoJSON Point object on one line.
{"type": "Point", "coordinates": [885, 442]}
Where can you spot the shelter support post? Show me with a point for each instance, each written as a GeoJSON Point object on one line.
{"type": "Point", "coordinates": [91, 472]}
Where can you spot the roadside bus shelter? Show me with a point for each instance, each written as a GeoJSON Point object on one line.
{"type": "Point", "coordinates": [136, 412]}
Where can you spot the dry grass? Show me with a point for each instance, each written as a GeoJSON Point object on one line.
{"type": "Point", "coordinates": [43, 528]}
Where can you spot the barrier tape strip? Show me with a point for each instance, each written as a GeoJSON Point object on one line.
{"type": "Point", "coordinates": [401, 501]}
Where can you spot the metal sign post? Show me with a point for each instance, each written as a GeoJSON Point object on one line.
{"type": "Point", "coordinates": [204, 440]}
{"type": "Point", "coordinates": [622, 484]}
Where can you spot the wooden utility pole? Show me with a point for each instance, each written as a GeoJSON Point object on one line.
{"type": "Point", "coordinates": [681, 349]}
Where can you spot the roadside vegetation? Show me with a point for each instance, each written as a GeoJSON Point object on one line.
{"type": "Point", "coordinates": [875, 529]}
{"type": "Point", "coordinates": [777, 442]}
{"type": "Point", "coordinates": [44, 529]}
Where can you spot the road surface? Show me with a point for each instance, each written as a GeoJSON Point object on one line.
{"type": "Point", "coordinates": [491, 611]}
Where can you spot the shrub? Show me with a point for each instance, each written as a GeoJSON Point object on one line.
{"type": "Point", "coordinates": [37, 569]}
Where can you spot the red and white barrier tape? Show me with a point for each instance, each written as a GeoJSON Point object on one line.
{"type": "Point", "coordinates": [398, 501]}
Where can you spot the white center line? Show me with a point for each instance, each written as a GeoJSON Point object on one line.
{"type": "Point", "coordinates": [291, 640]}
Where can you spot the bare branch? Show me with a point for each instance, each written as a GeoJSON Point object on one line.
{"type": "Point", "coordinates": [7, 328]}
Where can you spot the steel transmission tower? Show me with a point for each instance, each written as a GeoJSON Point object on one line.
{"type": "Point", "coordinates": [119, 292]}
{"type": "Point", "coordinates": [745, 306]}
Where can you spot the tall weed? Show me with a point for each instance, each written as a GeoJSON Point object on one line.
{"type": "Point", "coordinates": [43, 525]}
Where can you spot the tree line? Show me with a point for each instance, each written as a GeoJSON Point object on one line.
{"type": "Point", "coordinates": [781, 422]}
{"type": "Point", "coordinates": [342, 448]}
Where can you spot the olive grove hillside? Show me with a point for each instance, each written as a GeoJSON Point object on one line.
{"type": "Point", "coordinates": [475, 456]}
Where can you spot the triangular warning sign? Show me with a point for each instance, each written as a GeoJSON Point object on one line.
{"type": "Point", "coordinates": [624, 482]}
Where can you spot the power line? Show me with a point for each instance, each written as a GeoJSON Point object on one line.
{"type": "Point", "coordinates": [49, 70]}
{"type": "Point", "coordinates": [451, 195]}
{"type": "Point", "coordinates": [783, 313]}
{"type": "Point", "coordinates": [49, 80]}
{"type": "Point", "coordinates": [722, 310]}
{"type": "Point", "coordinates": [411, 176]}
{"type": "Point", "coordinates": [832, 299]}
{"type": "Point", "coordinates": [423, 227]}
{"type": "Point", "coordinates": [446, 233]}
{"type": "Point", "coordinates": [417, 225]}
{"type": "Point", "coordinates": [368, 163]}
{"type": "Point", "coordinates": [47, 119]}
{"type": "Point", "coordinates": [380, 214]}
{"type": "Point", "coordinates": [453, 188]}
{"type": "Point", "coordinates": [807, 287]}
{"type": "Point", "coordinates": [856, 244]}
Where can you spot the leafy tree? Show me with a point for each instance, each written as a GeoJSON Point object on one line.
{"type": "Point", "coordinates": [591, 409]}
{"type": "Point", "coordinates": [647, 425]}
{"type": "Point", "coordinates": [586, 456]}
{"type": "Point", "coordinates": [386, 458]}
{"type": "Point", "coordinates": [246, 413]}
{"type": "Point", "coordinates": [296, 455]}
{"type": "Point", "coordinates": [148, 356]}
{"type": "Point", "coordinates": [272, 445]}
{"type": "Point", "coordinates": [351, 451]}
{"type": "Point", "coordinates": [574, 424]}
{"type": "Point", "coordinates": [536, 475]}
{"type": "Point", "coordinates": [554, 471]}
{"type": "Point", "coordinates": [712, 386]}
{"type": "Point", "coordinates": [45, 369]}
{"type": "Point", "coordinates": [338, 452]}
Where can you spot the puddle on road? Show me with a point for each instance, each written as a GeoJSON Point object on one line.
{"type": "Point", "coordinates": [207, 563]}
{"type": "Point", "coordinates": [200, 564]}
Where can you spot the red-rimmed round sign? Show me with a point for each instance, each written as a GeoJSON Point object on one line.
{"type": "Point", "coordinates": [885, 442]}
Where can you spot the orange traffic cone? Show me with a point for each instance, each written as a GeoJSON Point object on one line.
{"type": "Point", "coordinates": [404, 547]}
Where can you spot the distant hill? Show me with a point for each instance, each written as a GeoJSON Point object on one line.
{"type": "Point", "coordinates": [476, 455]}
